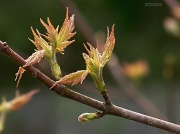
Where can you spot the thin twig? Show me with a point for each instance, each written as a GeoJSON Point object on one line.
{"type": "Point", "coordinates": [106, 98]}
{"type": "Point", "coordinates": [65, 92]}
{"type": "Point", "coordinates": [138, 98]}
{"type": "Point", "coordinates": [142, 101]}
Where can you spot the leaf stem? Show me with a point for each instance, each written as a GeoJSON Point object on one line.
{"type": "Point", "coordinates": [55, 68]}
{"type": "Point", "coordinates": [106, 98]}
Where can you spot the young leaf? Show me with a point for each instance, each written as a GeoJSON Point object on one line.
{"type": "Point", "coordinates": [34, 58]}
{"type": "Point", "coordinates": [73, 78]}
{"type": "Point", "coordinates": [17, 102]}
{"type": "Point", "coordinates": [40, 43]}
{"type": "Point", "coordinates": [58, 40]}
{"type": "Point", "coordinates": [109, 46]}
{"type": "Point", "coordinates": [51, 31]}
{"type": "Point", "coordinates": [66, 32]}
{"type": "Point", "coordinates": [19, 75]}
{"type": "Point", "coordinates": [95, 61]}
{"type": "Point", "coordinates": [21, 100]}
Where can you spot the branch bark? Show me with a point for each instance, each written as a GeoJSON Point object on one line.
{"type": "Point", "coordinates": [67, 93]}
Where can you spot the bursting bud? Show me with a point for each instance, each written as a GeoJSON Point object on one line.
{"type": "Point", "coordinates": [85, 117]}
{"type": "Point", "coordinates": [47, 45]}
{"type": "Point", "coordinates": [95, 62]}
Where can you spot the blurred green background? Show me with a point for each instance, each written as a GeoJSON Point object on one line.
{"type": "Point", "coordinates": [139, 35]}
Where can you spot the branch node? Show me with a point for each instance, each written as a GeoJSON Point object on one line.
{"type": "Point", "coordinates": [106, 98]}
{"type": "Point", "coordinates": [35, 74]}
{"type": "Point", "coordinates": [100, 114]}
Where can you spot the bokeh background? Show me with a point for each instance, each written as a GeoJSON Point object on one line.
{"type": "Point", "coordinates": [141, 34]}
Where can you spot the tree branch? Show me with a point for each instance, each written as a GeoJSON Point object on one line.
{"type": "Point", "coordinates": [115, 68]}
{"type": "Point", "coordinates": [65, 92]}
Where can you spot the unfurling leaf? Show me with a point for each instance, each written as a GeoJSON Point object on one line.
{"type": "Point", "coordinates": [53, 41]}
{"type": "Point", "coordinates": [34, 58]}
{"type": "Point", "coordinates": [21, 100]}
{"type": "Point", "coordinates": [74, 78]}
{"type": "Point", "coordinates": [51, 31]}
{"type": "Point", "coordinates": [95, 60]}
{"type": "Point", "coordinates": [19, 75]}
{"type": "Point", "coordinates": [58, 39]}
{"type": "Point", "coordinates": [40, 43]}
{"type": "Point", "coordinates": [49, 44]}
{"type": "Point", "coordinates": [109, 46]}
{"type": "Point", "coordinates": [65, 33]}
{"type": "Point", "coordinates": [17, 102]}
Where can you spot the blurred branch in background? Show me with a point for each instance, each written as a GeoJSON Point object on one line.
{"type": "Point", "coordinates": [174, 6]}
{"type": "Point", "coordinates": [172, 27]}
{"type": "Point", "coordinates": [137, 97]}
{"type": "Point", "coordinates": [113, 92]}
{"type": "Point", "coordinates": [80, 21]}
{"type": "Point", "coordinates": [168, 72]}
{"type": "Point", "coordinates": [115, 68]}
{"type": "Point", "coordinates": [171, 3]}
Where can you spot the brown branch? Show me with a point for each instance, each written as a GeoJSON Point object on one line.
{"type": "Point", "coordinates": [128, 89]}
{"type": "Point", "coordinates": [106, 98]}
{"type": "Point", "coordinates": [138, 98]}
{"type": "Point", "coordinates": [65, 92]}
